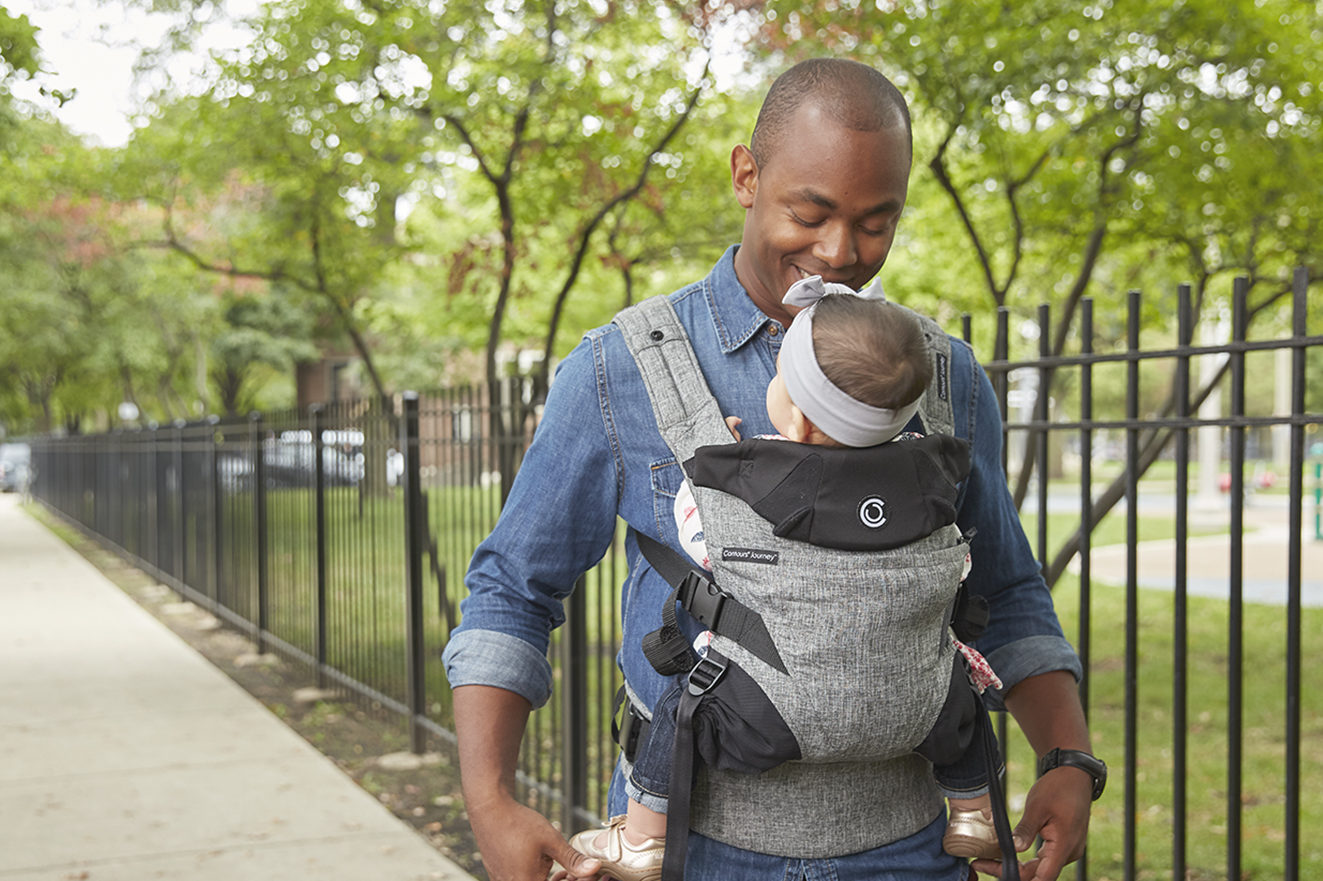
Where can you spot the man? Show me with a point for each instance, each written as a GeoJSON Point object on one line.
{"type": "Point", "coordinates": [822, 184]}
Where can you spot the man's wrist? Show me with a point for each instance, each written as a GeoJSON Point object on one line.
{"type": "Point", "coordinates": [1090, 764]}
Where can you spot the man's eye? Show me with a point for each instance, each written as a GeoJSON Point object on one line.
{"type": "Point", "coordinates": [805, 221]}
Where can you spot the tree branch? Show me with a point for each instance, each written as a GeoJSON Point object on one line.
{"type": "Point", "coordinates": [938, 166]}
{"type": "Point", "coordinates": [620, 198]}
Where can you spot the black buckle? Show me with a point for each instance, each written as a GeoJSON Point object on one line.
{"type": "Point", "coordinates": [706, 674]}
{"type": "Point", "coordinates": [633, 725]}
{"type": "Point", "coordinates": [702, 599]}
{"type": "Point", "coordinates": [970, 617]}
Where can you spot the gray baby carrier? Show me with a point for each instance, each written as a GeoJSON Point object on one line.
{"type": "Point", "coordinates": [828, 665]}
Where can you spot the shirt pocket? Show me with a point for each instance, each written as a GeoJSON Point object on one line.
{"type": "Point", "coordinates": [667, 476]}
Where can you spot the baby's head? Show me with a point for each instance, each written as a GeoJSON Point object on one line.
{"type": "Point", "coordinates": [850, 373]}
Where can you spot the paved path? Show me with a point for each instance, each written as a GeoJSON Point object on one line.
{"type": "Point", "coordinates": [1208, 557]}
{"type": "Point", "coordinates": [126, 756]}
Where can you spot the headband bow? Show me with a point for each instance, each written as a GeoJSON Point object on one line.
{"type": "Point", "coordinates": [808, 291]}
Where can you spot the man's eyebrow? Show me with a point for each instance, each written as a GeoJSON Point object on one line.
{"type": "Point", "coordinates": [808, 194]}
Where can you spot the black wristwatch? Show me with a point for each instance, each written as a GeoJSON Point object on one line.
{"type": "Point", "coordinates": [1075, 758]}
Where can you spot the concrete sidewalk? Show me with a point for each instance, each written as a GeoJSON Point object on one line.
{"type": "Point", "coordinates": [124, 755]}
{"type": "Point", "coordinates": [1264, 548]}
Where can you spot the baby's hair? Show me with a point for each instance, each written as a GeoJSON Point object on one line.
{"type": "Point", "coordinates": [872, 350]}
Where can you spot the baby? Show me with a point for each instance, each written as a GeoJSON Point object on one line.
{"type": "Point", "coordinates": [851, 371]}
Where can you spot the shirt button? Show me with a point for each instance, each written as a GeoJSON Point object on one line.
{"type": "Point", "coordinates": [773, 329]}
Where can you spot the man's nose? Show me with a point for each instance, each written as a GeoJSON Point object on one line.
{"type": "Point", "coordinates": [836, 246]}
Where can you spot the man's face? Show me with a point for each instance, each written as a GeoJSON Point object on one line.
{"type": "Point", "coordinates": [826, 203]}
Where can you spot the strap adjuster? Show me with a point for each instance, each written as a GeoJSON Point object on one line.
{"type": "Point", "coordinates": [633, 725]}
{"type": "Point", "coordinates": [706, 674]}
{"type": "Point", "coordinates": [702, 599]}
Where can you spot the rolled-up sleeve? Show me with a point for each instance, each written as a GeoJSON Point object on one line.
{"type": "Point", "coordinates": [557, 523]}
{"type": "Point", "coordinates": [489, 657]}
{"type": "Point", "coordinates": [1023, 637]}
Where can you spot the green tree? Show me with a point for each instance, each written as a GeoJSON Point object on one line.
{"type": "Point", "coordinates": [1093, 150]}
{"type": "Point", "coordinates": [260, 335]}
{"type": "Point", "coordinates": [533, 124]}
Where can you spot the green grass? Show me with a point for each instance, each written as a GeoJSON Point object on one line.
{"type": "Point", "coordinates": [1263, 714]}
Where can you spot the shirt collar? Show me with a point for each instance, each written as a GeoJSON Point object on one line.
{"type": "Point", "coordinates": [734, 316]}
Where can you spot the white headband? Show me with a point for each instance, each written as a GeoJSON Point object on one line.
{"type": "Point", "coordinates": [808, 291]}
{"type": "Point", "coordinates": [844, 419]}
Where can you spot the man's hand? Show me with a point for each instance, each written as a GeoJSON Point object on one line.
{"type": "Point", "coordinates": [519, 844]}
{"type": "Point", "coordinates": [1057, 810]}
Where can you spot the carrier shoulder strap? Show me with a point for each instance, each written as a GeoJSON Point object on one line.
{"type": "Point", "coordinates": [935, 406]}
{"type": "Point", "coordinates": [687, 414]}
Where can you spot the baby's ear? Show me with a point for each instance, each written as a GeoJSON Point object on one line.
{"type": "Point", "coordinates": [800, 428]}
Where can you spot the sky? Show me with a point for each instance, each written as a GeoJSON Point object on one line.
{"type": "Point", "coordinates": [90, 47]}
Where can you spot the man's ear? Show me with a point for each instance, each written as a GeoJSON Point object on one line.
{"type": "Point", "coordinates": [743, 175]}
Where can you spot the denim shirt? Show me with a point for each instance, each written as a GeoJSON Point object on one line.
{"type": "Point", "coordinates": [597, 453]}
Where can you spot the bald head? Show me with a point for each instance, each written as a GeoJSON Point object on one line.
{"type": "Point", "coordinates": [853, 94]}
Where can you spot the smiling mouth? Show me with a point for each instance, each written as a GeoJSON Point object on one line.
{"type": "Point", "coordinates": [804, 273]}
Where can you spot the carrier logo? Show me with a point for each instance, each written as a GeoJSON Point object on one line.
{"type": "Point", "coordinates": [872, 512]}
{"type": "Point", "coordinates": [750, 555]}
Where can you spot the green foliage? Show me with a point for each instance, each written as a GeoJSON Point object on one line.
{"type": "Point", "coordinates": [426, 171]}
{"type": "Point", "coordinates": [18, 45]}
{"type": "Point", "coordinates": [261, 337]}
{"type": "Point", "coordinates": [426, 184]}
{"type": "Point", "coordinates": [70, 323]}
{"type": "Point", "coordinates": [1094, 149]}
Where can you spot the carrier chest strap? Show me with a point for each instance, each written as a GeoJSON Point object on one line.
{"type": "Point", "coordinates": [666, 648]}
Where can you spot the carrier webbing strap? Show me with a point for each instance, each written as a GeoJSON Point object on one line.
{"type": "Point", "coordinates": [706, 674]}
{"type": "Point", "coordinates": [1010, 864]}
{"type": "Point", "coordinates": [667, 649]}
{"type": "Point", "coordinates": [682, 779]}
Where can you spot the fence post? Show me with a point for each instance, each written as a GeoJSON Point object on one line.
{"type": "Point", "coordinates": [154, 531]}
{"type": "Point", "coordinates": [318, 414]}
{"type": "Point", "coordinates": [180, 520]}
{"type": "Point", "coordinates": [213, 422]}
{"type": "Point", "coordinates": [1318, 501]}
{"type": "Point", "coordinates": [574, 707]}
{"type": "Point", "coordinates": [414, 520]}
{"type": "Point", "coordinates": [257, 442]}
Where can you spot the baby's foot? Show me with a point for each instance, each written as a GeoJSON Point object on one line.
{"type": "Point", "coordinates": [622, 859]}
{"type": "Point", "coordinates": [971, 835]}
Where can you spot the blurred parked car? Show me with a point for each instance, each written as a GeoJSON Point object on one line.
{"type": "Point", "coordinates": [15, 467]}
{"type": "Point", "coordinates": [289, 460]}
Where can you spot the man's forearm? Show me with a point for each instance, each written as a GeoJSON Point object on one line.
{"type": "Point", "coordinates": [489, 723]}
{"type": "Point", "coordinates": [1048, 710]}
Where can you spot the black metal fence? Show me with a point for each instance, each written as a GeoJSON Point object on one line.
{"type": "Point", "coordinates": [339, 536]}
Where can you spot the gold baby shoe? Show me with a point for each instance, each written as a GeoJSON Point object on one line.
{"type": "Point", "coordinates": [971, 835]}
{"type": "Point", "coordinates": [620, 859]}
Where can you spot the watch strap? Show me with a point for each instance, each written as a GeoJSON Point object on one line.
{"type": "Point", "coordinates": [1076, 758]}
